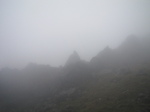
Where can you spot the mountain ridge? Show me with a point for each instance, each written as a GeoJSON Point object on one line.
{"type": "Point", "coordinates": [114, 80]}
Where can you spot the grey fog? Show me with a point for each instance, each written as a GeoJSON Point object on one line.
{"type": "Point", "coordinates": [48, 31]}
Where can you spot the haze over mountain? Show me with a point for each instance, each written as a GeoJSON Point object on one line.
{"type": "Point", "coordinates": [74, 55]}
{"type": "Point", "coordinates": [46, 32]}
{"type": "Point", "coordinates": [114, 80]}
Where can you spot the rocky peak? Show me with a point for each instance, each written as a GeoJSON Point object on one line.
{"type": "Point", "coordinates": [106, 51]}
{"type": "Point", "coordinates": [105, 54]}
{"type": "Point", "coordinates": [74, 58]}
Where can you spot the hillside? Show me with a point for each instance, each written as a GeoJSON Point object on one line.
{"type": "Point", "coordinates": [115, 80]}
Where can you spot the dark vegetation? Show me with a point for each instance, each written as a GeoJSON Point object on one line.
{"type": "Point", "coordinates": [116, 80]}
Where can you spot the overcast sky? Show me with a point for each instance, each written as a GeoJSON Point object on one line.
{"type": "Point", "coordinates": [48, 31]}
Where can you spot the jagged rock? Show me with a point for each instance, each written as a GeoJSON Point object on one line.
{"type": "Point", "coordinates": [105, 52]}
{"type": "Point", "coordinates": [74, 58]}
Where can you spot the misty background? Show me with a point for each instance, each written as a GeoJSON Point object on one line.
{"type": "Point", "coordinates": [48, 31]}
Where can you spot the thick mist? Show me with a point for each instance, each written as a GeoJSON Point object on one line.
{"type": "Point", "coordinates": [47, 32]}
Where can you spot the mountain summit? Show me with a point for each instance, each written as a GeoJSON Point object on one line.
{"type": "Point", "coordinates": [74, 58]}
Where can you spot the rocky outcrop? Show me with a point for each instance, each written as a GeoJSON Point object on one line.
{"type": "Point", "coordinates": [74, 58]}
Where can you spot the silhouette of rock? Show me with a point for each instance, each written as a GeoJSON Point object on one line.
{"type": "Point", "coordinates": [105, 52]}
{"type": "Point", "coordinates": [131, 51]}
{"type": "Point", "coordinates": [103, 59]}
{"type": "Point", "coordinates": [74, 58]}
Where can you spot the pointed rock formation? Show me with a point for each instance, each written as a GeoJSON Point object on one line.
{"type": "Point", "coordinates": [74, 58]}
{"type": "Point", "coordinates": [105, 52]}
{"type": "Point", "coordinates": [103, 59]}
